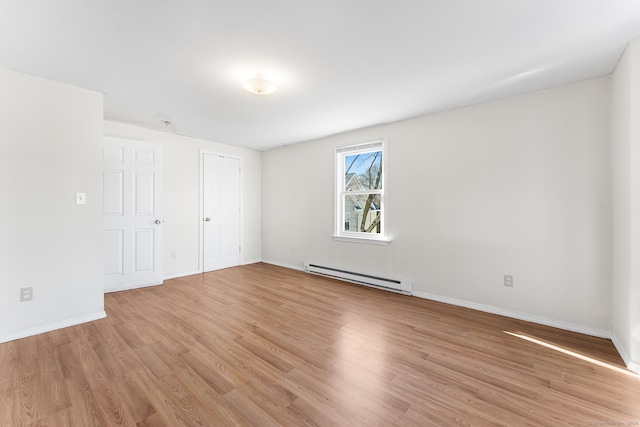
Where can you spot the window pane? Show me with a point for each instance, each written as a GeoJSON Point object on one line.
{"type": "Point", "coordinates": [363, 171]}
{"type": "Point", "coordinates": [362, 213]}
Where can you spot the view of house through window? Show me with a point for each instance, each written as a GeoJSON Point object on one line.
{"type": "Point", "coordinates": [360, 190]}
{"type": "Point", "coordinates": [363, 172]}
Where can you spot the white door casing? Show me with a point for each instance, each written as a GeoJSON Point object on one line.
{"type": "Point", "coordinates": [220, 211]}
{"type": "Point", "coordinates": [132, 212]}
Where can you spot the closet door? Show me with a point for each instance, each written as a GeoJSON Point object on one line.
{"type": "Point", "coordinates": [221, 211]}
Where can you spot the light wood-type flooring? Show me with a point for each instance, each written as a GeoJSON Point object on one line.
{"type": "Point", "coordinates": [263, 345]}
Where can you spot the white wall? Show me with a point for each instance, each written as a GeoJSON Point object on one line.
{"type": "Point", "coordinates": [520, 186]}
{"type": "Point", "coordinates": [50, 148]}
{"type": "Point", "coordinates": [181, 195]}
{"type": "Point", "coordinates": [625, 126]}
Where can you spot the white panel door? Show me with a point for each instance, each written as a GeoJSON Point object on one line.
{"type": "Point", "coordinates": [132, 207]}
{"type": "Point", "coordinates": [221, 211]}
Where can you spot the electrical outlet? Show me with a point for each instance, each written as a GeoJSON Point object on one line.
{"type": "Point", "coordinates": [26, 294]}
{"type": "Point", "coordinates": [508, 281]}
{"type": "Point", "coordinates": [173, 254]}
{"type": "Point", "coordinates": [81, 198]}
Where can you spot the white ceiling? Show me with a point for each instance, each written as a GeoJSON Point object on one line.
{"type": "Point", "coordinates": [339, 64]}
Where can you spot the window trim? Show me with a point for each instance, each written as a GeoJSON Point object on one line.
{"type": "Point", "coordinates": [359, 237]}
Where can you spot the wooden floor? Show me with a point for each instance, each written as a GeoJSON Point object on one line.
{"type": "Point", "coordinates": [262, 345]}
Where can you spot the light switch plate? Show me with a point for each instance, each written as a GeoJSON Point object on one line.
{"type": "Point", "coordinates": [81, 198]}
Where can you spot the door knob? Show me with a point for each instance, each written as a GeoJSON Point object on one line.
{"type": "Point", "coordinates": [207, 219]}
{"type": "Point", "coordinates": [158, 222]}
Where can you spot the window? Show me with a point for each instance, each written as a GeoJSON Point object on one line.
{"type": "Point", "coordinates": [360, 186]}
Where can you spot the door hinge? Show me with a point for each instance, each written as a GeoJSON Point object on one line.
{"type": "Point", "coordinates": [239, 248]}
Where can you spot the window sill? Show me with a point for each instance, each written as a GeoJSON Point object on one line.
{"type": "Point", "coordinates": [370, 241]}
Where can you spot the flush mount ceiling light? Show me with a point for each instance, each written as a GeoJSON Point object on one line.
{"type": "Point", "coordinates": [259, 85]}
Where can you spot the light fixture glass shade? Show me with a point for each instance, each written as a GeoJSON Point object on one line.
{"type": "Point", "coordinates": [259, 85]}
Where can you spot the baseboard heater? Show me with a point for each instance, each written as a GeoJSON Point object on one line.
{"type": "Point", "coordinates": [402, 286]}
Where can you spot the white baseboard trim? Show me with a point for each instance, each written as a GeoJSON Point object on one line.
{"type": "Point", "coordinates": [53, 326]}
{"type": "Point", "coordinates": [568, 326]}
{"type": "Point", "coordinates": [631, 365]}
{"type": "Point", "coordinates": [281, 264]}
{"type": "Point", "coordinates": [134, 287]}
{"type": "Point", "coordinates": [177, 275]}
{"type": "Point", "coordinates": [191, 273]}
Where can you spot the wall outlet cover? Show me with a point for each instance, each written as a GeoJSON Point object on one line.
{"type": "Point", "coordinates": [508, 281]}
{"type": "Point", "coordinates": [26, 294]}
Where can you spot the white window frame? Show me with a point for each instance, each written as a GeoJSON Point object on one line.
{"type": "Point", "coordinates": [356, 236]}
